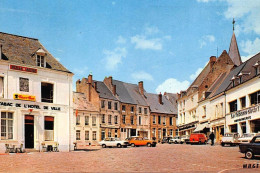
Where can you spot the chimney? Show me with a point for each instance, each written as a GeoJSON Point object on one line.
{"type": "Point", "coordinates": [78, 85]}
{"type": "Point", "coordinates": [160, 98]}
{"type": "Point", "coordinates": [141, 87]}
{"type": "Point", "coordinates": [114, 90]}
{"type": "Point", "coordinates": [110, 80]}
{"type": "Point", "coordinates": [1, 51]}
{"type": "Point", "coordinates": [95, 86]}
{"type": "Point", "coordinates": [212, 61]}
{"type": "Point", "coordinates": [90, 78]}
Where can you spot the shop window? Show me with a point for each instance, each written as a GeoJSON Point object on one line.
{"type": "Point", "coordinates": [116, 119]}
{"type": "Point", "coordinates": [132, 120]}
{"type": "Point", "coordinates": [154, 119]}
{"type": "Point", "coordinates": [1, 87]}
{"type": "Point", "coordinates": [140, 110]}
{"type": "Point", "coordinates": [86, 135]}
{"type": "Point", "coordinates": [233, 128]}
{"type": "Point", "coordinates": [94, 135]}
{"type": "Point", "coordinates": [171, 132]}
{"type": "Point", "coordinates": [123, 119]}
{"type": "Point", "coordinates": [145, 111]}
{"type": "Point", "coordinates": [94, 121]}
{"type": "Point", "coordinates": [140, 120]}
{"type": "Point", "coordinates": [243, 102]}
{"type": "Point", "coordinates": [86, 120]}
{"type": "Point", "coordinates": [78, 120]}
{"type": "Point", "coordinates": [233, 106]}
{"type": "Point", "coordinates": [103, 118]}
{"type": "Point", "coordinates": [109, 104]}
{"type": "Point", "coordinates": [255, 98]}
{"type": "Point", "coordinates": [109, 133]}
{"type": "Point", "coordinates": [77, 135]}
{"type": "Point", "coordinates": [102, 103]}
{"type": "Point", "coordinates": [47, 92]}
{"type": "Point", "coordinates": [49, 128]}
{"type": "Point", "coordinates": [171, 121]}
{"type": "Point", "coordinates": [40, 61]}
{"type": "Point", "coordinates": [132, 109]}
{"type": "Point", "coordinates": [159, 119]}
{"type": "Point", "coordinates": [103, 135]}
{"type": "Point", "coordinates": [123, 108]}
{"type": "Point", "coordinates": [159, 133]}
{"type": "Point", "coordinates": [116, 106]}
{"type": "Point", "coordinates": [6, 125]}
{"type": "Point", "coordinates": [109, 119]}
{"type": "Point", "coordinates": [154, 132]}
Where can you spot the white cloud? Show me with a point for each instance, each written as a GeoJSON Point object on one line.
{"type": "Point", "coordinates": [244, 58]}
{"type": "Point", "coordinates": [113, 58]}
{"type": "Point", "coordinates": [206, 39]}
{"type": "Point", "coordinates": [149, 30]}
{"type": "Point", "coordinates": [80, 71]}
{"type": "Point", "coordinates": [141, 75]}
{"type": "Point", "coordinates": [251, 47]}
{"type": "Point", "coordinates": [141, 42]}
{"type": "Point", "coordinates": [172, 85]}
{"type": "Point", "coordinates": [120, 40]}
{"type": "Point", "coordinates": [193, 76]}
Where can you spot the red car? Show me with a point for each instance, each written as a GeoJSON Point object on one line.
{"type": "Point", "coordinates": [198, 138]}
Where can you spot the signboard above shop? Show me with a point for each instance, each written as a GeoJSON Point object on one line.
{"type": "Point", "coordinates": [24, 97]}
{"type": "Point", "coordinates": [24, 69]}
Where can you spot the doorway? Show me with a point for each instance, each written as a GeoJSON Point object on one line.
{"type": "Point", "coordinates": [164, 133]}
{"type": "Point", "coordinates": [29, 131]}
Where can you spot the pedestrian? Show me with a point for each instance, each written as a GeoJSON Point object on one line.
{"type": "Point", "coordinates": [212, 137]}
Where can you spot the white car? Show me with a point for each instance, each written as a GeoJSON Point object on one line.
{"type": "Point", "coordinates": [113, 142]}
{"type": "Point", "coordinates": [176, 140]}
{"type": "Point", "coordinates": [246, 137]}
{"type": "Point", "coordinates": [230, 139]}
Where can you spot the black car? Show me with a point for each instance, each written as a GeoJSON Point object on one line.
{"type": "Point", "coordinates": [251, 149]}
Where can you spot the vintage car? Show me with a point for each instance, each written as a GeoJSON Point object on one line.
{"type": "Point", "coordinates": [185, 139]}
{"type": "Point", "coordinates": [198, 138]}
{"type": "Point", "coordinates": [140, 141]}
{"type": "Point", "coordinates": [251, 149]}
{"type": "Point", "coordinates": [176, 140]}
{"type": "Point", "coordinates": [166, 140]}
{"type": "Point", "coordinates": [230, 139]}
{"type": "Point", "coordinates": [113, 142]}
{"type": "Point", "coordinates": [246, 137]}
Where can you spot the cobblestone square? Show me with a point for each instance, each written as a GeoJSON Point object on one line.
{"type": "Point", "coordinates": [163, 158]}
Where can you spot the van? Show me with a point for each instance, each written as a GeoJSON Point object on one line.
{"type": "Point", "coordinates": [198, 138]}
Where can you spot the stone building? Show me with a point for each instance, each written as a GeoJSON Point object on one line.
{"type": "Point", "coordinates": [35, 96]}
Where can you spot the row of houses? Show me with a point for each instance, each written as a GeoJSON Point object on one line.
{"type": "Point", "coordinates": [39, 108]}
{"type": "Point", "coordinates": [225, 97]}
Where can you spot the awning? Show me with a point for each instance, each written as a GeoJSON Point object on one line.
{"type": "Point", "coordinates": [201, 127]}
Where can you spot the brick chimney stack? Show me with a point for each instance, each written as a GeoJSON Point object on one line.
{"type": "Point", "coordinates": [95, 86]}
{"type": "Point", "coordinates": [114, 90]}
{"type": "Point", "coordinates": [212, 61]}
{"type": "Point", "coordinates": [141, 87]}
{"type": "Point", "coordinates": [90, 78]}
{"type": "Point", "coordinates": [160, 98]}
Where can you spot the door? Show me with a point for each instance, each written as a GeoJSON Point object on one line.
{"type": "Point", "coordinates": [164, 133]}
{"type": "Point", "coordinates": [29, 131]}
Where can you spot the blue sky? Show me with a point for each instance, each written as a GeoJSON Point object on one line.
{"type": "Point", "coordinates": [163, 43]}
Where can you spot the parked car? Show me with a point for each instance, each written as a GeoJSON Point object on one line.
{"type": "Point", "coordinates": [246, 137]}
{"type": "Point", "coordinates": [140, 141]}
{"type": "Point", "coordinates": [166, 139]}
{"type": "Point", "coordinates": [176, 140]}
{"type": "Point", "coordinates": [185, 139]}
{"type": "Point", "coordinates": [230, 139]}
{"type": "Point", "coordinates": [199, 138]}
{"type": "Point", "coordinates": [251, 149]}
{"type": "Point", "coordinates": [113, 142]}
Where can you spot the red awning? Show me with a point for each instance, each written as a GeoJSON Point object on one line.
{"type": "Point", "coordinates": [49, 118]}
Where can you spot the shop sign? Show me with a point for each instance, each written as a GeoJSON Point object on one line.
{"type": "Point", "coordinates": [30, 106]}
{"type": "Point", "coordinates": [243, 119]}
{"type": "Point", "coordinates": [245, 112]}
{"type": "Point", "coordinates": [21, 68]}
{"type": "Point", "coordinates": [24, 97]}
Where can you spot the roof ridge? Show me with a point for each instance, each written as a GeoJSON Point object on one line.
{"type": "Point", "coordinates": [19, 35]}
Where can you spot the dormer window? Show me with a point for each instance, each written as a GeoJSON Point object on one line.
{"type": "Point", "coordinates": [256, 66]}
{"type": "Point", "coordinates": [233, 80]}
{"type": "Point", "coordinates": [40, 58]}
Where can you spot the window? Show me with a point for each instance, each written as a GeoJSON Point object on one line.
{"type": "Point", "coordinates": [233, 106]}
{"type": "Point", "coordinates": [77, 135]}
{"type": "Point", "coordinates": [86, 135]}
{"type": "Point", "coordinates": [6, 125]}
{"type": "Point", "coordinates": [1, 87]}
{"type": "Point", "coordinates": [40, 61]}
{"type": "Point", "coordinates": [109, 119]}
{"type": "Point", "coordinates": [93, 121]}
{"type": "Point", "coordinates": [243, 102]}
{"type": "Point", "coordinates": [86, 120]}
{"type": "Point", "coordinates": [94, 135]}
{"type": "Point", "coordinates": [115, 133]}
{"type": "Point", "coordinates": [204, 112]}
{"type": "Point", "coordinates": [47, 92]}
{"type": "Point", "coordinates": [123, 119]}
{"type": "Point", "coordinates": [145, 111]}
{"type": "Point", "coordinates": [132, 109]}
{"type": "Point", "coordinates": [24, 84]}
{"type": "Point", "coordinates": [140, 120]}
{"type": "Point", "coordinates": [102, 103]}
{"type": "Point", "coordinates": [123, 108]}
{"type": "Point", "coordinates": [115, 105]}
{"type": "Point", "coordinates": [78, 120]}
{"type": "Point", "coordinates": [159, 119]}
{"type": "Point", "coordinates": [164, 120]}
{"type": "Point", "coordinates": [221, 109]}
{"type": "Point", "coordinates": [154, 132]}
{"type": "Point", "coordinates": [171, 132]}
{"type": "Point", "coordinates": [109, 104]}
{"type": "Point", "coordinates": [154, 119]}
{"type": "Point", "coordinates": [116, 119]}
{"type": "Point", "coordinates": [159, 133]}
{"type": "Point", "coordinates": [49, 128]}
{"type": "Point", "coordinates": [171, 121]}
{"type": "Point", "coordinates": [103, 133]}
{"type": "Point", "coordinates": [132, 120]}
{"type": "Point", "coordinates": [255, 98]}
{"type": "Point", "coordinates": [103, 118]}
{"type": "Point", "coordinates": [109, 133]}
{"type": "Point", "coordinates": [140, 110]}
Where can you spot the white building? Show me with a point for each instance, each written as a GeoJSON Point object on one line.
{"type": "Point", "coordinates": [35, 96]}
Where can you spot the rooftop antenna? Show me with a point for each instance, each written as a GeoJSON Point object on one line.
{"type": "Point", "coordinates": [233, 24]}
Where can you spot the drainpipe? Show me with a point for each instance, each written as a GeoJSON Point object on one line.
{"type": "Point", "coordinates": [225, 114]}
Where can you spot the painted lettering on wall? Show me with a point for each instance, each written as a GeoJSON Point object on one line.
{"type": "Point", "coordinates": [29, 106]}
{"type": "Point", "coordinates": [245, 111]}
{"type": "Point", "coordinates": [21, 68]}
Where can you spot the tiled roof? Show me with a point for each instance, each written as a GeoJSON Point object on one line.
{"type": "Point", "coordinates": [80, 102]}
{"type": "Point", "coordinates": [104, 92]}
{"type": "Point", "coordinates": [153, 101]}
{"type": "Point", "coordinates": [172, 97]}
{"type": "Point", "coordinates": [19, 49]}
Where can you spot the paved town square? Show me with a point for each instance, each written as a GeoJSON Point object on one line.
{"type": "Point", "coordinates": [162, 158]}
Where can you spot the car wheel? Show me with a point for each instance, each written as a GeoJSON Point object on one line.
{"type": "Point", "coordinates": [175, 142]}
{"type": "Point", "coordinates": [249, 154]}
{"type": "Point", "coordinates": [119, 145]}
{"type": "Point", "coordinates": [222, 144]}
{"type": "Point", "coordinates": [132, 145]}
{"type": "Point", "coordinates": [148, 144]}
{"type": "Point", "coordinates": [181, 142]}
{"type": "Point", "coordinates": [104, 146]}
